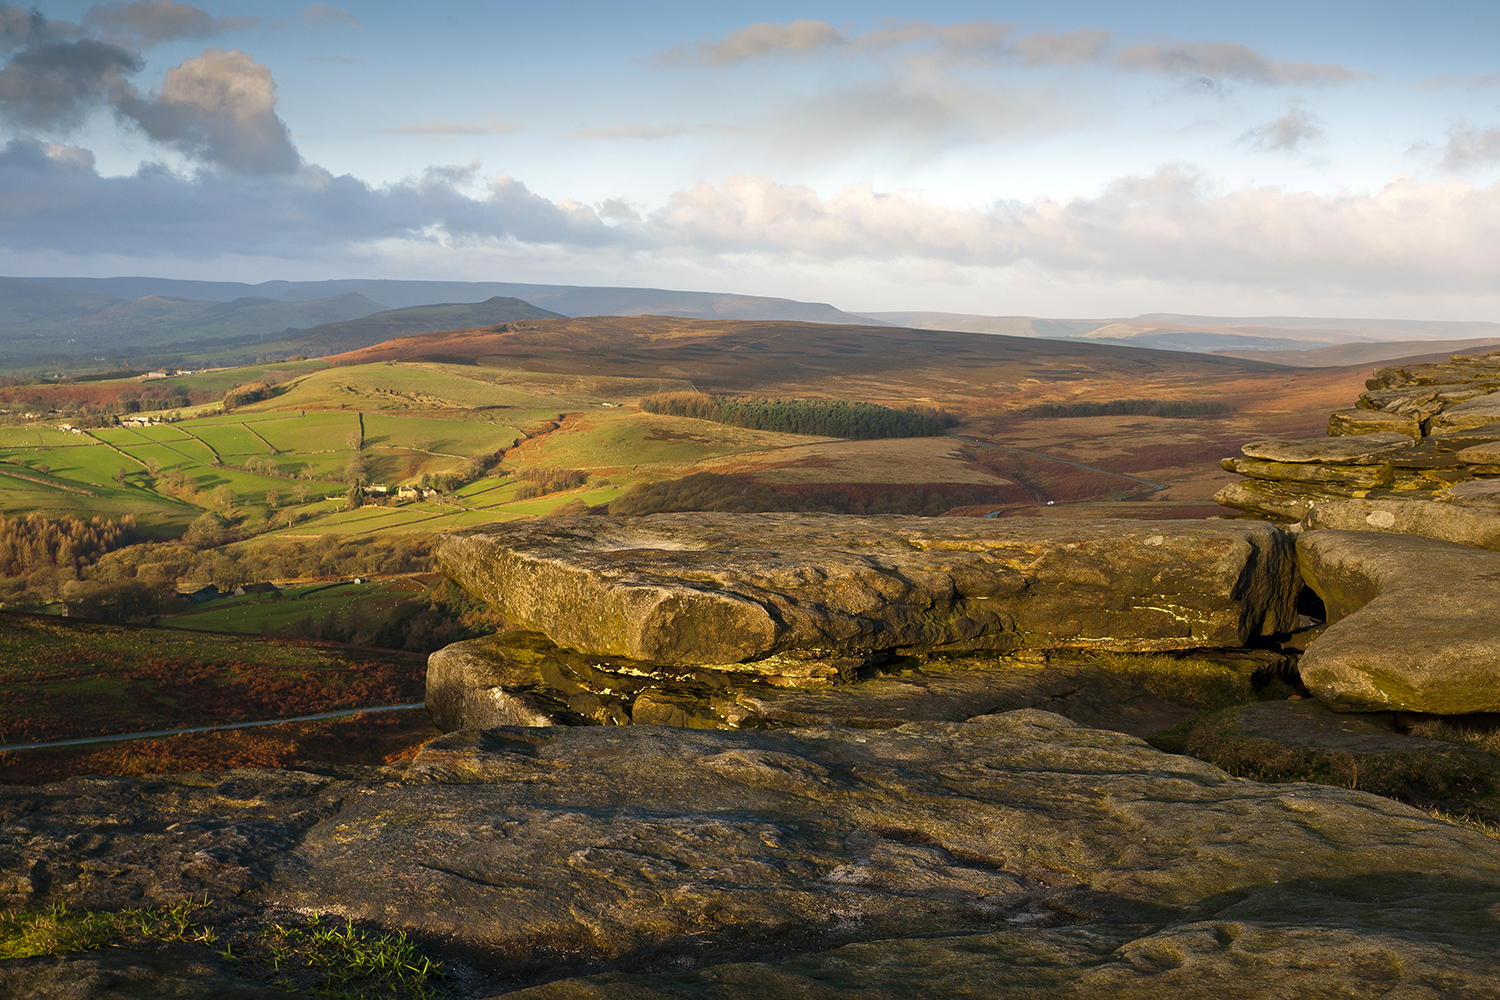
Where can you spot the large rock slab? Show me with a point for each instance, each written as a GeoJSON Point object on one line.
{"type": "Point", "coordinates": [1342, 423]}
{"type": "Point", "coordinates": [1415, 623]}
{"type": "Point", "coordinates": [1353, 477]}
{"type": "Point", "coordinates": [1015, 855]}
{"type": "Point", "coordinates": [642, 851]}
{"type": "Point", "coordinates": [1279, 501]}
{"type": "Point", "coordinates": [1351, 449]}
{"type": "Point", "coordinates": [1470, 413]}
{"type": "Point", "coordinates": [1447, 522]}
{"type": "Point", "coordinates": [719, 589]}
{"type": "Point", "coordinates": [523, 679]}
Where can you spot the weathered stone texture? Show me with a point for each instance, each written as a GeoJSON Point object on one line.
{"type": "Point", "coordinates": [1446, 522]}
{"type": "Point", "coordinates": [523, 679]}
{"type": "Point", "coordinates": [1415, 623]}
{"type": "Point", "coordinates": [773, 589]}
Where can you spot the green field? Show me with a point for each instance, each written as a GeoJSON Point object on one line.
{"type": "Point", "coordinates": [393, 423]}
{"type": "Point", "coordinates": [261, 613]}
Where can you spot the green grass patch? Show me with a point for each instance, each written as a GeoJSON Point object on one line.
{"type": "Point", "coordinates": [346, 961]}
{"type": "Point", "coordinates": [272, 613]}
{"type": "Point", "coordinates": [314, 956]}
{"type": "Point", "coordinates": [60, 931]}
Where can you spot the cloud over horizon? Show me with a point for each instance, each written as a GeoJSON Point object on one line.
{"type": "Point", "coordinates": [1171, 226]}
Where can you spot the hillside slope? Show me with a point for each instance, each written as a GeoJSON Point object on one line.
{"type": "Point", "coordinates": [566, 300]}
{"type": "Point", "coordinates": [1219, 334]}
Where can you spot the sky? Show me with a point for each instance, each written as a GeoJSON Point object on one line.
{"type": "Point", "coordinates": [1029, 158]}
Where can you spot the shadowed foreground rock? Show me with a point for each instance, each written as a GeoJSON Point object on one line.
{"type": "Point", "coordinates": [778, 590]}
{"type": "Point", "coordinates": [1415, 622]}
{"type": "Point", "coordinates": [1012, 855]}
{"type": "Point", "coordinates": [522, 679]}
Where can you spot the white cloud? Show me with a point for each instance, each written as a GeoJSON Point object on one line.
{"type": "Point", "coordinates": [1216, 60]}
{"type": "Point", "coordinates": [1168, 230]}
{"type": "Point", "coordinates": [1470, 147]}
{"type": "Point", "coordinates": [800, 37]}
{"type": "Point", "coordinates": [220, 108]}
{"type": "Point", "coordinates": [1287, 134]}
{"type": "Point", "coordinates": [493, 127]}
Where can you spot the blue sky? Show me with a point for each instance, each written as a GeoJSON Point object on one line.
{"type": "Point", "coordinates": [1059, 159]}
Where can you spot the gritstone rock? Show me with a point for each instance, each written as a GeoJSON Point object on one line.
{"type": "Point", "coordinates": [1415, 623]}
{"type": "Point", "coordinates": [1015, 855]}
{"type": "Point", "coordinates": [1352, 449]}
{"type": "Point", "coordinates": [523, 679]}
{"type": "Point", "coordinates": [1362, 421]}
{"type": "Point", "coordinates": [1474, 493]}
{"type": "Point", "coordinates": [714, 590]}
{"type": "Point", "coordinates": [1447, 522]}
{"type": "Point", "coordinates": [610, 848]}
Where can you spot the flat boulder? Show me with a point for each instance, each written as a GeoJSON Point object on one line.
{"type": "Point", "coordinates": [1414, 623]}
{"type": "Point", "coordinates": [1350, 449]}
{"type": "Point", "coordinates": [1474, 493]}
{"type": "Point", "coordinates": [1447, 522]}
{"type": "Point", "coordinates": [1342, 423]}
{"type": "Point", "coordinates": [714, 590]}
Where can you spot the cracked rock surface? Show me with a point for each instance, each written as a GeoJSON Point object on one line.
{"type": "Point", "coordinates": [714, 590]}
{"type": "Point", "coordinates": [1011, 855]}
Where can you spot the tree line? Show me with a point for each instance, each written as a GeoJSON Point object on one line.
{"type": "Point", "coordinates": [1130, 408]}
{"type": "Point", "coordinates": [818, 417]}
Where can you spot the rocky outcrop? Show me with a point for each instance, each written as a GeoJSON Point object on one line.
{"type": "Point", "coordinates": [1418, 430]}
{"type": "Point", "coordinates": [1415, 623]}
{"type": "Point", "coordinates": [808, 595]}
{"type": "Point", "coordinates": [521, 678]}
{"type": "Point", "coordinates": [1454, 521]}
{"type": "Point", "coordinates": [1010, 855]}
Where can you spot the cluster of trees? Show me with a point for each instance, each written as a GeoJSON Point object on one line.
{"type": "Point", "coordinates": [250, 392]}
{"type": "Point", "coordinates": [820, 417]}
{"type": "Point", "coordinates": [35, 542]}
{"type": "Point", "coordinates": [539, 481]}
{"type": "Point", "coordinates": [1130, 408]}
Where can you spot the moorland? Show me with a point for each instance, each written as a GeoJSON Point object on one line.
{"type": "Point", "coordinates": [307, 473]}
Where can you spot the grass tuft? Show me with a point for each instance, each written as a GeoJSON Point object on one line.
{"type": "Point", "coordinates": [1201, 684]}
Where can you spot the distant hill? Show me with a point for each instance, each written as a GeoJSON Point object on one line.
{"type": "Point", "coordinates": [1216, 334]}
{"type": "Point", "coordinates": [566, 300]}
{"type": "Point", "coordinates": [813, 359]}
{"type": "Point", "coordinates": [1387, 352]}
{"type": "Point", "coordinates": [44, 325]}
{"type": "Point", "coordinates": [335, 338]}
